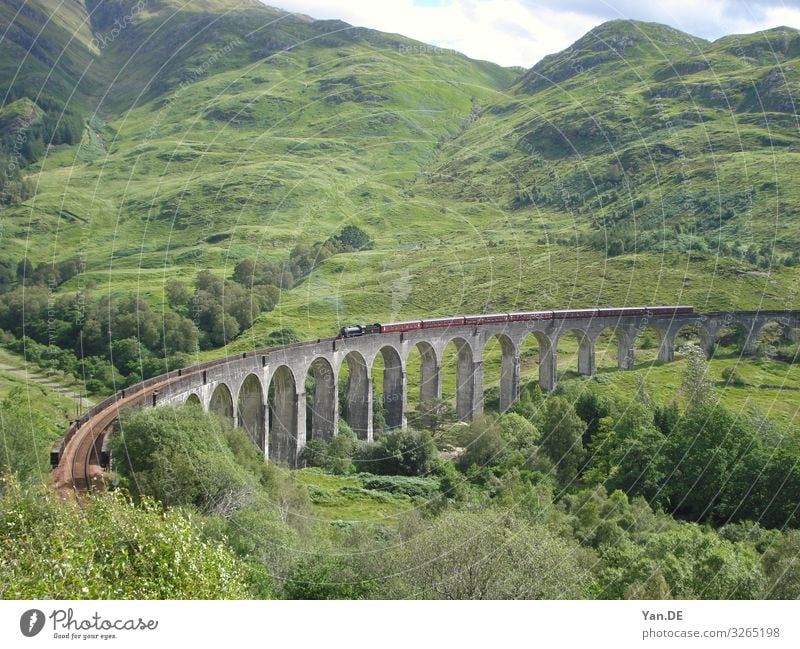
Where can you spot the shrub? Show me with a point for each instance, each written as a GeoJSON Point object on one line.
{"type": "Point", "coordinates": [180, 457]}
{"type": "Point", "coordinates": [397, 484]}
{"type": "Point", "coordinates": [400, 452]}
{"type": "Point", "coordinates": [107, 548]}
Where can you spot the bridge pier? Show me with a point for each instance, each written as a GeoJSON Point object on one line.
{"type": "Point", "coordinates": [586, 362]}
{"type": "Point", "coordinates": [509, 378]}
{"type": "Point", "coordinates": [469, 383]}
{"type": "Point", "coordinates": [359, 397]}
{"type": "Point", "coordinates": [286, 418]}
{"type": "Point", "coordinates": [430, 378]}
{"type": "Point", "coordinates": [394, 390]}
{"type": "Point", "coordinates": [324, 402]}
{"type": "Point", "coordinates": [666, 350]}
{"type": "Point", "coordinates": [626, 356]}
{"type": "Point", "coordinates": [548, 370]}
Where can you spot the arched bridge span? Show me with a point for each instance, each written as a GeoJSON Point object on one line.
{"type": "Point", "coordinates": [264, 392]}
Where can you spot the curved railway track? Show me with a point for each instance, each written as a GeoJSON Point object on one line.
{"type": "Point", "coordinates": [80, 466]}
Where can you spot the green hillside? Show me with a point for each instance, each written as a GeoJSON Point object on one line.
{"type": "Point", "coordinates": [645, 152]}
{"type": "Point", "coordinates": [640, 165]}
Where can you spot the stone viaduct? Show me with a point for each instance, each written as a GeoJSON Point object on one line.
{"type": "Point", "coordinates": [264, 391]}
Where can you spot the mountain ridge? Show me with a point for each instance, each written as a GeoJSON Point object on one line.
{"type": "Point", "coordinates": [647, 160]}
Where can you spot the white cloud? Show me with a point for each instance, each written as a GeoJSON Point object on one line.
{"type": "Point", "coordinates": [520, 32]}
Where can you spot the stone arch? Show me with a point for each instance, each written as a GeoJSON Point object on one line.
{"type": "Point", "coordinates": [652, 343]}
{"type": "Point", "coordinates": [250, 410]}
{"type": "Point", "coordinates": [689, 330]}
{"type": "Point", "coordinates": [221, 403]}
{"type": "Point", "coordinates": [469, 397]}
{"type": "Point", "coordinates": [769, 336]}
{"type": "Point", "coordinates": [509, 370]}
{"type": "Point", "coordinates": [623, 352]}
{"type": "Point", "coordinates": [282, 398]}
{"type": "Point", "coordinates": [731, 337]}
{"type": "Point", "coordinates": [193, 400]}
{"type": "Point", "coordinates": [393, 388]}
{"type": "Point", "coordinates": [585, 352]}
{"type": "Point", "coordinates": [544, 357]}
{"type": "Point", "coordinates": [322, 405]}
{"type": "Point", "coordinates": [357, 406]}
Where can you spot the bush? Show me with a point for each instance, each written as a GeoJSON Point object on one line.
{"type": "Point", "coordinates": [26, 438]}
{"type": "Point", "coordinates": [107, 548]}
{"type": "Point", "coordinates": [400, 452]}
{"type": "Point", "coordinates": [180, 457]}
{"type": "Point", "coordinates": [410, 486]}
{"type": "Point", "coordinates": [334, 456]}
{"type": "Point", "coordinates": [732, 377]}
{"type": "Point", "coordinates": [485, 555]}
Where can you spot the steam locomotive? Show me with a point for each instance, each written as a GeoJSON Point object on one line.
{"type": "Point", "coordinates": [520, 316]}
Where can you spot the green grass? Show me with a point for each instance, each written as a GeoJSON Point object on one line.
{"type": "Point", "coordinates": [773, 388]}
{"type": "Point", "coordinates": [341, 498]}
{"type": "Point", "coordinates": [56, 376]}
{"type": "Point", "coordinates": [57, 407]}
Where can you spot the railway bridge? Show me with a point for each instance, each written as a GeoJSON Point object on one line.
{"type": "Point", "coordinates": [264, 391]}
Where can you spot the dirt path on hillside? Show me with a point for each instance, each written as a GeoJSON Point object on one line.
{"type": "Point", "coordinates": [47, 383]}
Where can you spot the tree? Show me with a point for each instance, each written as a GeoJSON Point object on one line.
{"type": "Point", "coordinates": [627, 453]}
{"type": "Point", "coordinates": [26, 437]}
{"type": "Point", "coordinates": [107, 548]}
{"type": "Point", "coordinates": [684, 562]}
{"type": "Point", "coordinates": [562, 432]}
{"type": "Point", "coordinates": [179, 457]}
{"type": "Point", "coordinates": [433, 415]}
{"type": "Point", "coordinates": [696, 387]}
{"type": "Point", "coordinates": [483, 444]}
{"type": "Point", "coordinates": [702, 455]}
{"type": "Point", "coordinates": [782, 567]}
{"type": "Point", "coordinates": [352, 239]}
{"type": "Point", "coordinates": [485, 555]}
{"type": "Point", "coordinates": [400, 452]}
{"type": "Point", "coordinates": [178, 293]}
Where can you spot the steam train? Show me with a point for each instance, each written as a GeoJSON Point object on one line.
{"type": "Point", "coordinates": [520, 316]}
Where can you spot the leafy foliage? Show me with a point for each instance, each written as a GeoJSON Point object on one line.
{"type": "Point", "coordinates": [108, 548]}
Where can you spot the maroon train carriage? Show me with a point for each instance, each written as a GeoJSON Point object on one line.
{"type": "Point", "coordinates": [395, 327]}
{"type": "Point", "coordinates": [527, 316]}
{"type": "Point", "coordinates": [492, 318]}
{"type": "Point", "coordinates": [574, 314]}
{"type": "Point", "coordinates": [622, 311]}
{"type": "Point", "coordinates": [671, 310]}
{"type": "Point", "coordinates": [435, 323]}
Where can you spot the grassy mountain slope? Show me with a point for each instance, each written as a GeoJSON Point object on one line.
{"type": "Point", "coordinates": [245, 144]}
{"type": "Point", "coordinates": [641, 165]}
{"type": "Point", "coordinates": [47, 50]}
{"type": "Point", "coordinates": [641, 147]}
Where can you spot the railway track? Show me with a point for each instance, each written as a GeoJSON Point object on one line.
{"type": "Point", "coordinates": [80, 465]}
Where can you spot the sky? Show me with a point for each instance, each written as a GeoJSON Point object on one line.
{"type": "Point", "coordinates": [521, 32]}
